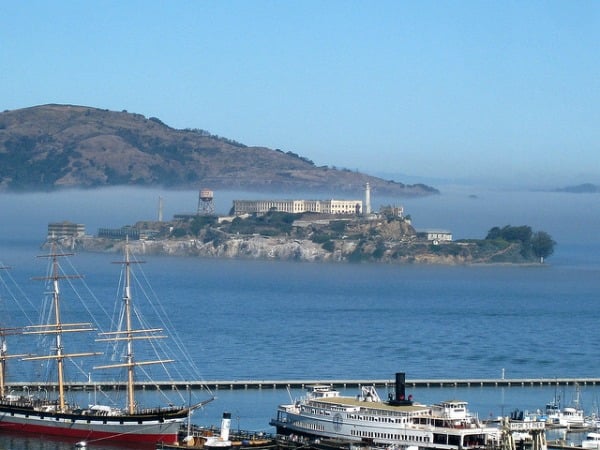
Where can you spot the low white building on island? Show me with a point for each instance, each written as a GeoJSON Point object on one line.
{"type": "Point", "coordinates": [435, 236]}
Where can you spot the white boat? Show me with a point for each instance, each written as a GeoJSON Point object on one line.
{"type": "Point", "coordinates": [398, 422]}
{"type": "Point", "coordinates": [25, 412]}
{"type": "Point", "coordinates": [569, 417]}
{"type": "Point", "coordinates": [591, 441]}
{"type": "Point", "coordinates": [223, 438]}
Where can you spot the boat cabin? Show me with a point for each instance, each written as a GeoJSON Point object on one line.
{"type": "Point", "coordinates": [591, 441]}
{"type": "Point", "coordinates": [317, 391]}
{"type": "Point", "coordinates": [452, 409]}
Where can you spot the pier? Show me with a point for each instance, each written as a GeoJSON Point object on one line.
{"type": "Point", "coordinates": [301, 384]}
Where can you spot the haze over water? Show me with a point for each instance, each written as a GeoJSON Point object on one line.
{"type": "Point", "coordinates": [264, 320]}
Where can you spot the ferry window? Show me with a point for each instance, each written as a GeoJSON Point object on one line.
{"type": "Point", "coordinates": [453, 440]}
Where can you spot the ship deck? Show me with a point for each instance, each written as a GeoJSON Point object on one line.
{"type": "Point", "coordinates": [352, 401]}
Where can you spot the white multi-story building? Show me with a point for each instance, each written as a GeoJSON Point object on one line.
{"type": "Point", "coordinates": [341, 206]}
{"type": "Point", "coordinates": [65, 229]}
{"type": "Point", "coordinates": [298, 206]}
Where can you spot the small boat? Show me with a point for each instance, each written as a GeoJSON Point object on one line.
{"type": "Point", "coordinates": [38, 413]}
{"type": "Point", "coordinates": [591, 441]}
{"type": "Point", "coordinates": [195, 437]}
{"type": "Point", "coordinates": [398, 422]}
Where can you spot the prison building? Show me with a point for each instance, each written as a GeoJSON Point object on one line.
{"type": "Point", "coordinates": [241, 207]}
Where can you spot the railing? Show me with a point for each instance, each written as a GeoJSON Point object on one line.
{"type": "Point", "coordinates": [303, 384]}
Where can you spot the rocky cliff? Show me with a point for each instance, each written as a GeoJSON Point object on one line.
{"type": "Point", "coordinates": [277, 248]}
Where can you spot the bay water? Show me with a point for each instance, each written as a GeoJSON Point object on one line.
{"type": "Point", "coordinates": [273, 320]}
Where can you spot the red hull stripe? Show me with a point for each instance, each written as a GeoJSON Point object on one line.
{"type": "Point", "coordinates": [90, 435]}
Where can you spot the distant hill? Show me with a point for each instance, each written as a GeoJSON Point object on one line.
{"type": "Point", "coordinates": [584, 188]}
{"type": "Point", "coordinates": [58, 146]}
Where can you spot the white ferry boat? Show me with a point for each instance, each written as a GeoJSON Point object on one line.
{"type": "Point", "coordinates": [398, 422]}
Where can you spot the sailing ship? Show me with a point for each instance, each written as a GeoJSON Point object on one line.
{"type": "Point", "coordinates": [398, 422]}
{"type": "Point", "coordinates": [24, 412]}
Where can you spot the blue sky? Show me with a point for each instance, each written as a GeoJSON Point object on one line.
{"type": "Point", "coordinates": [504, 92]}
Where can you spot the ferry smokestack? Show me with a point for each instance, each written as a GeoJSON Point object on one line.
{"type": "Point", "coordinates": [225, 425]}
{"type": "Point", "coordinates": [400, 387]}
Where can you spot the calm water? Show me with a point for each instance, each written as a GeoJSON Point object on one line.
{"type": "Point", "coordinates": [271, 320]}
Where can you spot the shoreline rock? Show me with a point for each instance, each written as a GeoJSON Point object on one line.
{"type": "Point", "coordinates": [276, 249]}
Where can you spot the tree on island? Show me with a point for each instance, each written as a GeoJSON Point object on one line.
{"type": "Point", "coordinates": [538, 244]}
{"type": "Point", "coordinates": [542, 245]}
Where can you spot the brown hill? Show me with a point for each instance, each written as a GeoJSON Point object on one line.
{"type": "Point", "coordinates": [55, 146]}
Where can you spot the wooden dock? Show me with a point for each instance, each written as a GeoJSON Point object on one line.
{"type": "Point", "coordinates": [216, 385]}
{"type": "Point", "coordinates": [563, 445]}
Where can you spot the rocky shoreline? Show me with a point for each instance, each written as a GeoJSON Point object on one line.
{"type": "Point", "coordinates": [282, 249]}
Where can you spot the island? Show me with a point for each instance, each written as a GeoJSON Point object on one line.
{"type": "Point", "coordinates": [383, 237]}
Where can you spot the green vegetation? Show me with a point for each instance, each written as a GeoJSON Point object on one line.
{"type": "Point", "coordinates": [539, 244]}
{"type": "Point", "coordinates": [273, 223]}
{"type": "Point", "coordinates": [542, 245]}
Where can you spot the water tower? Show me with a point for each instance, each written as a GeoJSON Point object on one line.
{"type": "Point", "coordinates": [206, 205]}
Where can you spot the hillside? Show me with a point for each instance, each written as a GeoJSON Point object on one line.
{"type": "Point", "coordinates": [584, 188]}
{"type": "Point", "coordinates": [58, 146]}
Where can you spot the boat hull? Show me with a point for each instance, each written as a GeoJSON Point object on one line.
{"type": "Point", "coordinates": [122, 429]}
{"type": "Point", "coordinates": [384, 433]}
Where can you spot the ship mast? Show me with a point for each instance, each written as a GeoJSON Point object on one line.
{"type": "Point", "coordinates": [2, 362]}
{"type": "Point", "coordinates": [58, 328]}
{"type": "Point", "coordinates": [130, 367]}
{"type": "Point", "coordinates": [4, 331]}
{"type": "Point", "coordinates": [4, 356]}
{"type": "Point", "coordinates": [129, 335]}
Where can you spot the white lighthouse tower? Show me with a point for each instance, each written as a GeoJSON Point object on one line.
{"type": "Point", "coordinates": [367, 199]}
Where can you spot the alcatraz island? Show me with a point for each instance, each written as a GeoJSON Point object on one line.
{"type": "Point", "coordinates": [52, 147]}
{"type": "Point", "coordinates": [308, 230]}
